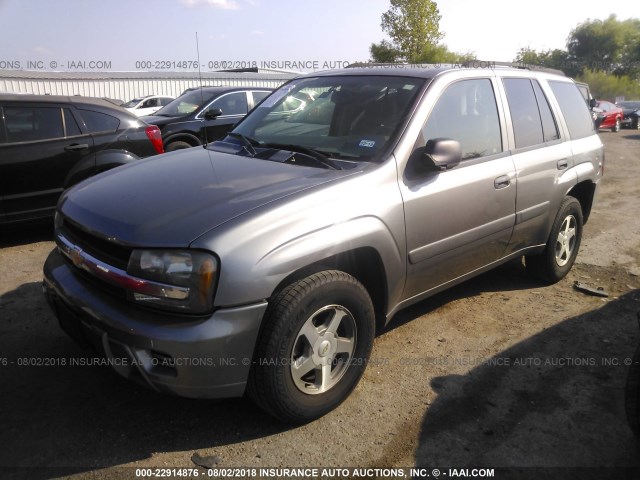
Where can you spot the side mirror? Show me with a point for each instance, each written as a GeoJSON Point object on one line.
{"type": "Point", "coordinates": [212, 113]}
{"type": "Point", "coordinates": [442, 153]}
{"type": "Point", "coordinates": [592, 102]}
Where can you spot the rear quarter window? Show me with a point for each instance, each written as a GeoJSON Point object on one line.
{"type": "Point", "coordinates": [99, 122]}
{"type": "Point", "coordinates": [573, 108]}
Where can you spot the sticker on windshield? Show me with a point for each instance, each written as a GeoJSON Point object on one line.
{"type": "Point", "coordinates": [367, 143]}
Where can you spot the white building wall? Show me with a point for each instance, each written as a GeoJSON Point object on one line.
{"type": "Point", "coordinates": [127, 88]}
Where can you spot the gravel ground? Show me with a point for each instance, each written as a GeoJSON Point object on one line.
{"type": "Point", "coordinates": [498, 372]}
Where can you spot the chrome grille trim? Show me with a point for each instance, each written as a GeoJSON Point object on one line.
{"type": "Point", "coordinates": [116, 276]}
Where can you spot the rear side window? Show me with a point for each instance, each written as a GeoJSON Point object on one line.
{"type": "Point", "coordinates": [466, 111]}
{"type": "Point", "coordinates": [99, 122]}
{"type": "Point", "coordinates": [573, 108]}
{"type": "Point", "coordinates": [525, 117]}
{"type": "Point", "coordinates": [549, 126]}
{"type": "Point", "coordinates": [30, 124]}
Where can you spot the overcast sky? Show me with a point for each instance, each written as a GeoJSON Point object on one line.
{"type": "Point", "coordinates": [121, 34]}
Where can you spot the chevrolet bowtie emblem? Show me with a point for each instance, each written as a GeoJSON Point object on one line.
{"type": "Point", "coordinates": [76, 257]}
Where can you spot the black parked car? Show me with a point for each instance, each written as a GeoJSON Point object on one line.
{"type": "Point", "coordinates": [48, 143]}
{"type": "Point", "coordinates": [631, 113]}
{"type": "Point", "coordinates": [202, 115]}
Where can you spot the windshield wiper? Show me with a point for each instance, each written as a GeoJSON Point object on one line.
{"type": "Point", "coordinates": [320, 157]}
{"type": "Point", "coordinates": [247, 142]}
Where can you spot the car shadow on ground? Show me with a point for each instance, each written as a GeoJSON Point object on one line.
{"type": "Point", "coordinates": [542, 403]}
{"type": "Point", "coordinates": [81, 417]}
{"type": "Point", "coordinates": [84, 417]}
{"type": "Point", "coordinates": [59, 419]}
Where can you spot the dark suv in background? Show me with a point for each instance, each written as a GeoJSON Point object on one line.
{"type": "Point", "coordinates": [204, 114]}
{"type": "Point", "coordinates": [48, 143]}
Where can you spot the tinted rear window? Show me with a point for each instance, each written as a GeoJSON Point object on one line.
{"type": "Point", "coordinates": [574, 109]}
{"type": "Point", "coordinates": [99, 122]}
{"type": "Point", "coordinates": [70, 124]}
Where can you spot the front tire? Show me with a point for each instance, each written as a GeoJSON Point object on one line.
{"type": "Point", "coordinates": [314, 347]}
{"type": "Point", "coordinates": [554, 263]}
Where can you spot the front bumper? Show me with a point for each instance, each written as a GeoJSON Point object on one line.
{"type": "Point", "coordinates": [192, 357]}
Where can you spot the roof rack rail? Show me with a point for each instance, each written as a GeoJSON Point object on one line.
{"type": "Point", "coordinates": [468, 64]}
{"type": "Point", "coordinates": [519, 65]}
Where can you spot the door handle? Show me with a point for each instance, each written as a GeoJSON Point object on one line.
{"type": "Point", "coordinates": [562, 164]}
{"type": "Point", "coordinates": [502, 182]}
{"type": "Point", "coordinates": [74, 147]}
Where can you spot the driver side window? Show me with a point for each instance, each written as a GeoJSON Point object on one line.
{"type": "Point", "coordinates": [466, 111]}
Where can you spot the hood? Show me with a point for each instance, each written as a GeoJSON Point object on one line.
{"type": "Point", "coordinates": [170, 200]}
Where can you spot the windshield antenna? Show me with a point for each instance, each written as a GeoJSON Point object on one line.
{"type": "Point", "coordinates": [206, 141]}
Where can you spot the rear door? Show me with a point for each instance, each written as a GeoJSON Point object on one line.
{"type": "Point", "coordinates": [541, 156]}
{"type": "Point", "coordinates": [43, 144]}
{"type": "Point", "coordinates": [461, 219]}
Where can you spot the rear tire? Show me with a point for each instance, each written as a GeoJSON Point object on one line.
{"type": "Point", "coordinates": [562, 246]}
{"type": "Point", "coordinates": [316, 342]}
{"type": "Point", "coordinates": [178, 145]}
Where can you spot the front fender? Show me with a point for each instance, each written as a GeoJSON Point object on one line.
{"type": "Point", "coordinates": [246, 278]}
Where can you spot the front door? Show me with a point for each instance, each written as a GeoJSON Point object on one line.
{"type": "Point", "coordinates": [461, 219]}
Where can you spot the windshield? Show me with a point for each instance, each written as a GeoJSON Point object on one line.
{"type": "Point", "coordinates": [132, 103]}
{"type": "Point", "coordinates": [347, 117]}
{"type": "Point", "coordinates": [185, 104]}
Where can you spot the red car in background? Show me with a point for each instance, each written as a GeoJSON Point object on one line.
{"type": "Point", "coordinates": [608, 115]}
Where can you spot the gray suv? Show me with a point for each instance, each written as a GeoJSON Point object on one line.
{"type": "Point", "coordinates": [264, 262]}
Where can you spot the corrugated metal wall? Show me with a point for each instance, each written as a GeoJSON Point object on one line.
{"type": "Point", "coordinates": [128, 88]}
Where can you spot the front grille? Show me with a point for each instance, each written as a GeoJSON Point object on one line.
{"type": "Point", "coordinates": [105, 250]}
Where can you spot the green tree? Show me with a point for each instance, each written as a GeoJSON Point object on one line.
{"type": "Point", "coordinates": [606, 86]}
{"type": "Point", "coordinates": [557, 59]}
{"type": "Point", "coordinates": [610, 46]}
{"type": "Point", "coordinates": [439, 54]}
{"type": "Point", "coordinates": [384, 52]}
{"type": "Point", "coordinates": [412, 25]}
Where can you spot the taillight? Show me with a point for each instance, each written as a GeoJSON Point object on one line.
{"type": "Point", "coordinates": [153, 132]}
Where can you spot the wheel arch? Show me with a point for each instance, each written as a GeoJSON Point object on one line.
{"type": "Point", "coordinates": [104, 160]}
{"type": "Point", "coordinates": [584, 192]}
{"type": "Point", "coordinates": [364, 264]}
{"type": "Point", "coordinates": [189, 138]}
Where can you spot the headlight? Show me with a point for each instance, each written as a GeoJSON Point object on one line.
{"type": "Point", "coordinates": [184, 279]}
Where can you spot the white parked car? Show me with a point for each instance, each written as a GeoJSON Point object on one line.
{"type": "Point", "coordinates": [147, 105]}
